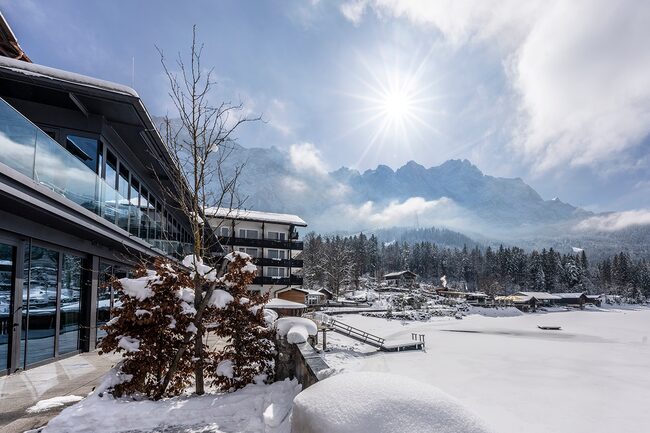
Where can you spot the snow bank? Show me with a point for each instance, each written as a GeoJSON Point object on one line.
{"type": "Point", "coordinates": [495, 312]}
{"type": "Point", "coordinates": [254, 409]}
{"type": "Point", "coordinates": [50, 403]}
{"type": "Point", "coordinates": [295, 329]}
{"type": "Point", "coordinates": [379, 403]}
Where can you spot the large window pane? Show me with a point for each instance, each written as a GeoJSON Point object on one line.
{"type": "Point", "coordinates": [39, 304]}
{"type": "Point", "coordinates": [6, 301]}
{"type": "Point", "coordinates": [71, 283]}
{"type": "Point", "coordinates": [17, 140]}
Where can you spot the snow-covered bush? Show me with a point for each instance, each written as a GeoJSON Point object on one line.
{"type": "Point", "coordinates": [248, 356]}
{"type": "Point", "coordinates": [149, 328]}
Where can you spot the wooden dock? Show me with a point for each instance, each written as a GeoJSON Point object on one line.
{"type": "Point", "coordinates": [325, 321]}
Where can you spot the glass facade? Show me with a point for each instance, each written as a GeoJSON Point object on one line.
{"type": "Point", "coordinates": [78, 172]}
{"type": "Point", "coordinates": [7, 254]}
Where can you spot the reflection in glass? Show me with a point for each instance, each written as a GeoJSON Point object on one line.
{"type": "Point", "coordinates": [6, 294]}
{"type": "Point", "coordinates": [39, 304]}
{"type": "Point", "coordinates": [106, 297]}
{"type": "Point", "coordinates": [71, 281]}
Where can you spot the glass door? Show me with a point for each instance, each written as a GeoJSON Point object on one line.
{"type": "Point", "coordinates": [7, 257]}
{"type": "Point", "coordinates": [70, 303]}
{"type": "Point", "coordinates": [39, 304]}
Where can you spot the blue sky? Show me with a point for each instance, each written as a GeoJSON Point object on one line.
{"type": "Point", "coordinates": [555, 92]}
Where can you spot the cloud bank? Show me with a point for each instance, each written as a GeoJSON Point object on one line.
{"type": "Point", "coordinates": [615, 221]}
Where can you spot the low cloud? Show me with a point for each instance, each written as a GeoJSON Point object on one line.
{"type": "Point", "coordinates": [306, 158]}
{"type": "Point", "coordinates": [615, 221]}
{"type": "Point", "coordinates": [410, 212]}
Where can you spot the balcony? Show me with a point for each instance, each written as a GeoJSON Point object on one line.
{"type": "Point", "coordinates": [27, 149]}
{"type": "Point", "coordinates": [282, 263]}
{"type": "Point", "coordinates": [279, 281]}
{"type": "Point", "coordinates": [261, 243]}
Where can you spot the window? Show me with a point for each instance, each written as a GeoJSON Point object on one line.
{"type": "Point", "coordinates": [253, 252]}
{"type": "Point", "coordinates": [111, 169]}
{"type": "Point", "coordinates": [248, 234]}
{"type": "Point", "coordinates": [313, 300]}
{"type": "Point", "coordinates": [87, 150]}
{"type": "Point", "coordinates": [275, 272]}
{"type": "Point", "coordinates": [224, 231]}
{"type": "Point", "coordinates": [277, 236]}
{"type": "Point", "coordinates": [276, 254]}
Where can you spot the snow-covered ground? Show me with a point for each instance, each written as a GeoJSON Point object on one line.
{"type": "Point", "coordinates": [592, 376]}
{"type": "Point", "coordinates": [253, 409]}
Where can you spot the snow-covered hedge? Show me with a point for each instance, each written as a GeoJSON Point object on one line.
{"type": "Point", "coordinates": [379, 403]}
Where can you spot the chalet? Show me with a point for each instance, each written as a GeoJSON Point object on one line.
{"type": "Point", "coordinates": [521, 302]}
{"type": "Point", "coordinates": [477, 298]}
{"type": "Point", "coordinates": [543, 298]}
{"type": "Point", "coordinates": [329, 295]}
{"type": "Point", "coordinates": [301, 295]}
{"type": "Point", "coordinates": [401, 278]}
{"type": "Point", "coordinates": [594, 300]}
{"type": "Point", "coordinates": [285, 307]}
{"type": "Point", "coordinates": [572, 299]}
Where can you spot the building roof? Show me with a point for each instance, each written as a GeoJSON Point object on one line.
{"type": "Point", "coordinates": [283, 303]}
{"type": "Point", "coordinates": [399, 274]}
{"type": "Point", "coordinates": [517, 299]}
{"type": "Point", "coordinates": [541, 296]}
{"type": "Point", "coordinates": [252, 215]}
{"type": "Point", "coordinates": [570, 295]}
{"type": "Point", "coordinates": [9, 46]}
{"type": "Point", "coordinates": [40, 71]}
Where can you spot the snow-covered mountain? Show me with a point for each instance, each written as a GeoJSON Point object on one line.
{"type": "Point", "coordinates": [455, 194]}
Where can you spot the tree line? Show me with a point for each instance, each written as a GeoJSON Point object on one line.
{"type": "Point", "coordinates": [339, 263]}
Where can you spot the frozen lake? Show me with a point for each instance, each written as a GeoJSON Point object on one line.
{"type": "Point", "coordinates": [592, 376]}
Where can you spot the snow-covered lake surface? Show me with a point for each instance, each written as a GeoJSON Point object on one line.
{"type": "Point", "coordinates": [592, 376]}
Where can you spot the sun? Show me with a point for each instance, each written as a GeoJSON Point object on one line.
{"type": "Point", "coordinates": [397, 106]}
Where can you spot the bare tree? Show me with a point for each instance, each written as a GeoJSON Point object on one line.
{"type": "Point", "coordinates": [200, 142]}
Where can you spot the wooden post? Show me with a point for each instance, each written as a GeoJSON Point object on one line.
{"type": "Point", "coordinates": [324, 339]}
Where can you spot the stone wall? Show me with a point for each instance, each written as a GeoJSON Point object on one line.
{"type": "Point", "coordinates": [300, 361]}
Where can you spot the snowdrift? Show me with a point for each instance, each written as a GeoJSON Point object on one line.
{"type": "Point", "coordinates": [379, 403]}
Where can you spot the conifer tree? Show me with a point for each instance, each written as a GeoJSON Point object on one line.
{"type": "Point", "coordinates": [248, 355]}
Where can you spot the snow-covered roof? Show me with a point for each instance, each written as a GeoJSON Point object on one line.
{"type": "Point", "coordinates": [542, 296]}
{"type": "Point", "coordinates": [283, 303]}
{"type": "Point", "coordinates": [253, 215]}
{"type": "Point", "coordinates": [570, 295]}
{"type": "Point", "coordinates": [398, 274]}
{"type": "Point", "coordinates": [514, 298]}
{"type": "Point", "coordinates": [40, 71]}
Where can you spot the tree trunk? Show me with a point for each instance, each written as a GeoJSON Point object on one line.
{"type": "Point", "coordinates": [198, 341]}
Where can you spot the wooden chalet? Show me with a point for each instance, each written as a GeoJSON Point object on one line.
{"type": "Point", "coordinates": [401, 278]}
{"type": "Point", "coordinates": [572, 299]}
{"type": "Point", "coordinates": [302, 296]}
